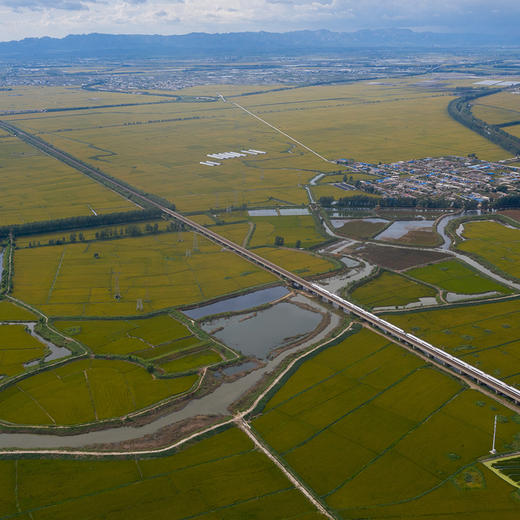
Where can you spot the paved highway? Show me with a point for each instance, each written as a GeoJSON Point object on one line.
{"type": "Point", "coordinates": [438, 355]}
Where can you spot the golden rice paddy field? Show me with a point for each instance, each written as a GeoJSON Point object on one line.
{"type": "Point", "coordinates": [498, 108]}
{"type": "Point", "coordinates": [159, 149]}
{"type": "Point", "coordinates": [371, 122]}
{"type": "Point", "coordinates": [90, 233]}
{"type": "Point", "coordinates": [38, 187]}
{"type": "Point", "coordinates": [41, 98]}
{"type": "Point", "coordinates": [514, 130]}
{"type": "Point", "coordinates": [377, 433]}
{"type": "Point", "coordinates": [129, 276]}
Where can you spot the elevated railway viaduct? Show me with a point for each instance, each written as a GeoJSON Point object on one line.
{"type": "Point", "coordinates": [438, 355]}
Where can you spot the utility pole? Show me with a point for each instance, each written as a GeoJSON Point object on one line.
{"type": "Point", "coordinates": [493, 450]}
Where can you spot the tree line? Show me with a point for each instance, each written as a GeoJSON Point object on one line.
{"type": "Point", "coordinates": [81, 222]}
{"type": "Point", "coordinates": [460, 110]}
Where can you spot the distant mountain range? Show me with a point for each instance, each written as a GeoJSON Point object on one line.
{"type": "Point", "coordinates": [195, 45]}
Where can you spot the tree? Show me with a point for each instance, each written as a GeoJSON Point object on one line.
{"type": "Point", "coordinates": [298, 244]}
{"type": "Point", "coordinates": [279, 241]}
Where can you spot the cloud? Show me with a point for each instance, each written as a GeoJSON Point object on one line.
{"type": "Point", "coordinates": [44, 4]}
{"type": "Point", "coordinates": [21, 18]}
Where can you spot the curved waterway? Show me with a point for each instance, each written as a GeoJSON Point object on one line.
{"type": "Point", "coordinates": [216, 403]}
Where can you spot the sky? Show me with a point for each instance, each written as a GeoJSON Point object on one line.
{"type": "Point", "coordinates": [34, 18]}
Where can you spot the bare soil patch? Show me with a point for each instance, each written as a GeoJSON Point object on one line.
{"type": "Point", "coordinates": [398, 258]}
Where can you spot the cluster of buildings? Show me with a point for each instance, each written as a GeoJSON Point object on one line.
{"type": "Point", "coordinates": [448, 178]}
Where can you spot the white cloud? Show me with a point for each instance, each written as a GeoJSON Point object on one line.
{"type": "Point", "coordinates": [21, 18]}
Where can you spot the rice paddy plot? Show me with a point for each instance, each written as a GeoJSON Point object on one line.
{"type": "Point", "coordinates": [159, 148]}
{"type": "Point", "coordinates": [138, 275]}
{"type": "Point", "coordinates": [140, 337]}
{"type": "Point", "coordinates": [371, 122]}
{"type": "Point", "coordinates": [191, 361]}
{"type": "Point", "coordinates": [12, 312]}
{"type": "Point", "coordinates": [495, 243]}
{"type": "Point", "coordinates": [296, 231]}
{"type": "Point", "coordinates": [498, 108]}
{"type": "Point", "coordinates": [220, 477]}
{"type": "Point", "coordinates": [20, 98]}
{"type": "Point", "coordinates": [330, 190]}
{"type": "Point", "coordinates": [359, 228]}
{"type": "Point", "coordinates": [86, 391]}
{"type": "Point", "coordinates": [17, 347]}
{"type": "Point", "coordinates": [130, 276]}
{"type": "Point", "coordinates": [484, 335]}
{"type": "Point", "coordinates": [390, 289]}
{"type": "Point", "coordinates": [454, 276]}
{"type": "Point", "coordinates": [38, 187]}
{"type": "Point", "coordinates": [377, 433]}
{"type": "Point", "coordinates": [103, 232]}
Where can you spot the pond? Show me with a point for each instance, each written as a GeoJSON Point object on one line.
{"type": "Point", "coordinates": [239, 303]}
{"type": "Point", "coordinates": [400, 228]}
{"type": "Point", "coordinates": [257, 334]}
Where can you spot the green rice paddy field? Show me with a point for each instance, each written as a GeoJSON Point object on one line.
{"type": "Point", "coordinates": [86, 391]}
{"type": "Point", "coordinates": [391, 289]}
{"type": "Point", "coordinates": [83, 279]}
{"type": "Point", "coordinates": [379, 434]}
{"type": "Point", "coordinates": [220, 478]}
{"type": "Point", "coordinates": [454, 276]}
{"type": "Point", "coordinates": [12, 312]}
{"type": "Point", "coordinates": [495, 243]}
{"type": "Point", "coordinates": [485, 335]}
{"type": "Point", "coordinates": [16, 348]}
{"type": "Point", "coordinates": [141, 336]}
{"type": "Point", "coordinates": [38, 187]}
{"type": "Point", "coordinates": [162, 340]}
